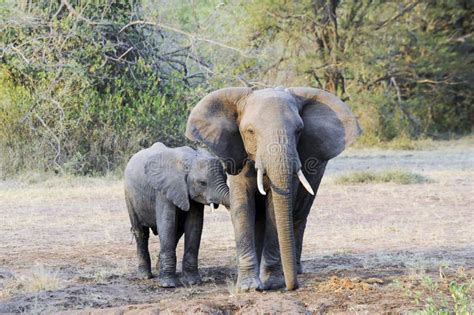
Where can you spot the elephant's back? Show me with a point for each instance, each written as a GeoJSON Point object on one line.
{"type": "Point", "coordinates": [135, 169]}
{"type": "Point", "coordinates": [136, 165]}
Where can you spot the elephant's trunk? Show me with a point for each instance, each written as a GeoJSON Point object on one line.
{"type": "Point", "coordinates": [280, 171]}
{"type": "Point", "coordinates": [226, 197]}
{"type": "Point", "coordinates": [223, 193]}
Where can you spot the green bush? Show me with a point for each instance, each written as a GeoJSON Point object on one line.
{"type": "Point", "coordinates": [79, 95]}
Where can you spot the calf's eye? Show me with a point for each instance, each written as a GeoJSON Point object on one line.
{"type": "Point", "coordinates": [202, 183]}
{"type": "Point", "coordinates": [250, 130]}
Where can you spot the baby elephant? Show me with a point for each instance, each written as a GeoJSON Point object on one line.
{"type": "Point", "coordinates": [166, 190]}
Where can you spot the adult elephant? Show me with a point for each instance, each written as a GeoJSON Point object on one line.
{"type": "Point", "coordinates": [275, 141]}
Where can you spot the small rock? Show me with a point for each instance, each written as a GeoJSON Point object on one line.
{"type": "Point", "coordinates": [5, 274]}
{"type": "Point", "coordinates": [374, 280]}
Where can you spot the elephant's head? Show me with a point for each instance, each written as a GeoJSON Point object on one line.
{"type": "Point", "coordinates": [207, 180]}
{"type": "Point", "coordinates": [183, 173]}
{"type": "Point", "coordinates": [280, 129]}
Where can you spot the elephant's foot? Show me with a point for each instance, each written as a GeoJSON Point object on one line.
{"type": "Point", "coordinates": [248, 283]}
{"type": "Point", "coordinates": [167, 281]}
{"type": "Point", "coordinates": [299, 268]}
{"type": "Point", "coordinates": [144, 272]}
{"type": "Point", "coordinates": [273, 280]}
{"type": "Point", "coordinates": [191, 277]}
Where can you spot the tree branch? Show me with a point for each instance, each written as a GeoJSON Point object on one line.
{"type": "Point", "coordinates": [410, 117]}
{"type": "Point", "coordinates": [405, 10]}
{"type": "Point", "coordinates": [190, 35]}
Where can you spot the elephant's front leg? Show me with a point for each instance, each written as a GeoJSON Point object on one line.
{"type": "Point", "coordinates": [166, 220]}
{"type": "Point", "coordinates": [192, 240]}
{"type": "Point", "coordinates": [243, 219]}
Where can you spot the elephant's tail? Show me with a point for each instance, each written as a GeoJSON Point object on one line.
{"type": "Point", "coordinates": [134, 224]}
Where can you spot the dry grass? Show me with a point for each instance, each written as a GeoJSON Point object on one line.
{"type": "Point", "coordinates": [372, 177]}
{"type": "Point", "coordinates": [8, 288]}
{"type": "Point", "coordinates": [231, 286]}
{"type": "Point", "coordinates": [111, 269]}
{"type": "Point", "coordinates": [407, 144]}
{"type": "Point", "coordinates": [38, 279]}
{"type": "Point", "coordinates": [81, 227]}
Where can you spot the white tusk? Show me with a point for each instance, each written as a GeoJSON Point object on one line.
{"type": "Point", "coordinates": [213, 207]}
{"type": "Point", "coordinates": [227, 182]}
{"type": "Point", "coordinates": [260, 181]}
{"type": "Point", "coordinates": [304, 182]}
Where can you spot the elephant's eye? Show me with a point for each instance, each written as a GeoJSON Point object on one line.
{"type": "Point", "coordinates": [250, 131]}
{"type": "Point", "coordinates": [202, 183]}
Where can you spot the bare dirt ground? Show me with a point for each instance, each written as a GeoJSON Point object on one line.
{"type": "Point", "coordinates": [65, 245]}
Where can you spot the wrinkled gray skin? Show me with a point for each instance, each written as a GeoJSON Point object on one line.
{"type": "Point", "coordinates": [166, 190]}
{"type": "Point", "coordinates": [279, 132]}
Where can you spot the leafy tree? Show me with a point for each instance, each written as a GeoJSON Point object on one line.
{"type": "Point", "coordinates": [406, 67]}
{"type": "Point", "coordinates": [83, 84]}
{"type": "Point", "coordinates": [91, 91]}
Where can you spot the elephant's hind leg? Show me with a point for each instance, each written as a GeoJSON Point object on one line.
{"type": "Point", "coordinates": [144, 263]}
{"type": "Point", "coordinates": [259, 226]}
{"type": "Point", "coordinates": [303, 204]}
{"type": "Point", "coordinates": [299, 227]}
{"type": "Point", "coordinates": [141, 235]}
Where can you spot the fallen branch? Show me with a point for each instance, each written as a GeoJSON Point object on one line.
{"type": "Point", "coordinates": [125, 53]}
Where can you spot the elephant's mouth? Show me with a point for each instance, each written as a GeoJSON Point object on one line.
{"type": "Point", "coordinates": [299, 173]}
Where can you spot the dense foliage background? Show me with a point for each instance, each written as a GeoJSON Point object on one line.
{"type": "Point", "coordinates": [84, 84]}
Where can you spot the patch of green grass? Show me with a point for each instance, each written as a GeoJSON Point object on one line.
{"type": "Point", "coordinates": [371, 177]}
{"type": "Point", "coordinates": [398, 143]}
{"type": "Point", "coordinates": [402, 143]}
{"type": "Point", "coordinates": [443, 295]}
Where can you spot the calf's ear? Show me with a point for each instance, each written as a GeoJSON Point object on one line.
{"type": "Point", "coordinates": [168, 175]}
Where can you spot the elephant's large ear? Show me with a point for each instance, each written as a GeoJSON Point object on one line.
{"type": "Point", "coordinates": [213, 121]}
{"type": "Point", "coordinates": [167, 172]}
{"type": "Point", "coordinates": [329, 125]}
